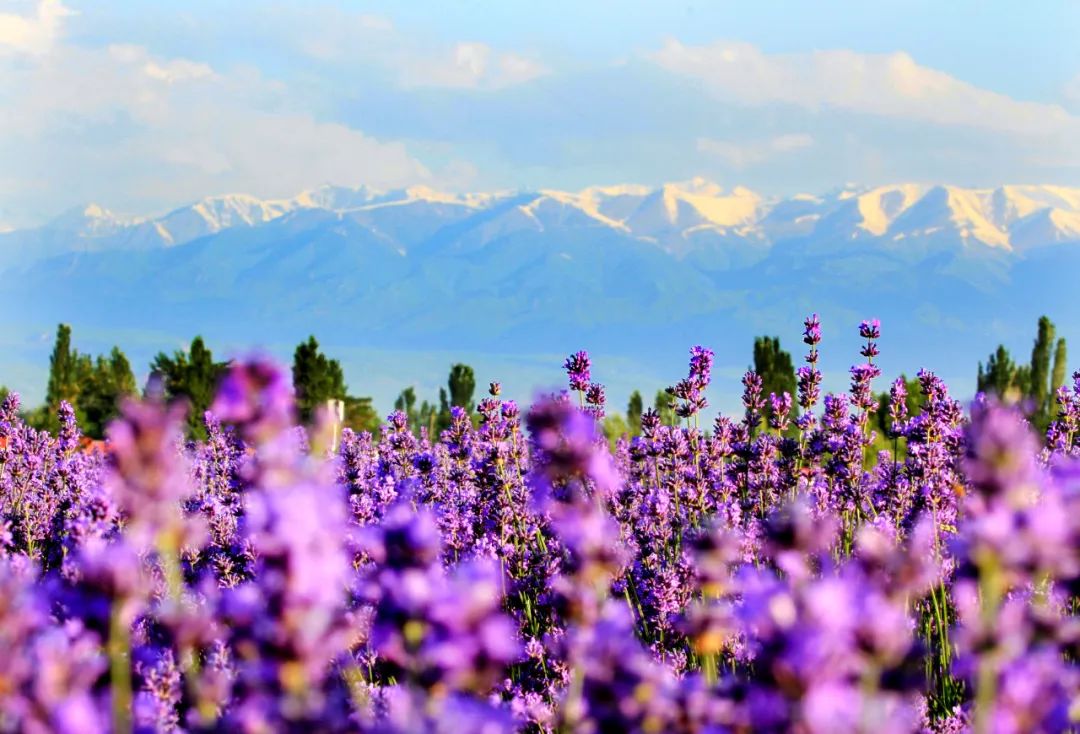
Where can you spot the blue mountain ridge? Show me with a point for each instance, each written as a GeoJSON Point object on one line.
{"type": "Point", "coordinates": [516, 281]}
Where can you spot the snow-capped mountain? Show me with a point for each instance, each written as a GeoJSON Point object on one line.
{"type": "Point", "coordinates": [952, 271]}
{"type": "Point", "coordinates": [677, 217]}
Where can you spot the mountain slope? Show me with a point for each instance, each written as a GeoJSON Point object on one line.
{"type": "Point", "coordinates": [627, 271]}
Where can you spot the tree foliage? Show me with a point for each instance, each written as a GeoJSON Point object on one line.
{"type": "Point", "coordinates": [193, 376]}
{"type": "Point", "coordinates": [63, 370]}
{"type": "Point", "coordinates": [664, 407]}
{"type": "Point", "coordinates": [316, 379]}
{"type": "Point", "coordinates": [92, 386]}
{"type": "Point", "coordinates": [462, 385]}
{"type": "Point", "coordinates": [1035, 383]}
{"type": "Point", "coordinates": [1001, 376]}
{"type": "Point", "coordinates": [360, 415]}
{"type": "Point", "coordinates": [776, 370]}
{"type": "Point", "coordinates": [634, 408]}
{"type": "Point", "coordinates": [101, 390]}
{"type": "Point", "coordinates": [1040, 371]}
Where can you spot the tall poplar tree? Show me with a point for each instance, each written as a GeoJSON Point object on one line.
{"type": "Point", "coordinates": [63, 370]}
{"type": "Point", "coordinates": [776, 370]}
{"type": "Point", "coordinates": [664, 408]}
{"type": "Point", "coordinates": [1039, 393]}
{"type": "Point", "coordinates": [634, 408]}
{"type": "Point", "coordinates": [1057, 377]}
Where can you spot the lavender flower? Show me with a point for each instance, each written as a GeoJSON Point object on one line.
{"type": "Point", "coordinates": [490, 579]}
{"type": "Point", "coordinates": [577, 369]}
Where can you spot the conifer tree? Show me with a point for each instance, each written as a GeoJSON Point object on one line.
{"type": "Point", "coordinates": [1039, 393]}
{"type": "Point", "coordinates": [441, 417]}
{"type": "Point", "coordinates": [664, 407]}
{"type": "Point", "coordinates": [63, 371]}
{"type": "Point", "coordinates": [92, 387]}
{"type": "Point", "coordinates": [462, 385]}
{"type": "Point", "coordinates": [406, 403]}
{"type": "Point", "coordinates": [775, 368]}
{"type": "Point", "coordinates": [316, 379]}
{"type": "Point", "coordinates": [634, 408]}
{"type": "Point", "coordinates": [1057, 377]}
{"type": "Point", "coordinates": [999, 377]}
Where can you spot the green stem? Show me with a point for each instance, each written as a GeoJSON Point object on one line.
{"type": "Point", "coordinates": [990, 591]}
{"type": "Point", "coordinates": [120, 668]}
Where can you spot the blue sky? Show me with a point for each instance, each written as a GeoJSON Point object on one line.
{"type": "Point", "coordinates": [145, 106]}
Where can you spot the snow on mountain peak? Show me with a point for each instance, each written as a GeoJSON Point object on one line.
{"type": "Point", "coordinates": [424, 193]}
{"type": "Point", "coordinates": [617, 190]}
{"type": "Point", "coordinates": [96, 211]}
{"type": "Point", "coordinates": [92, 220]}
{"type": "Point", "coordinates": [879, 207]}
{"type": "Point", "coordinates": [675, 216]}
{"type": "Point", "coordinates": [587, 205]}
{"type": "Point", "coordinates": [950, 211]}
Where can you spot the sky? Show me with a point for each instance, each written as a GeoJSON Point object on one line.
{"type": "Point", "coordinates": [141, 107]}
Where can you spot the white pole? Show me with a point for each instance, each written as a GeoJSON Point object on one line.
{"type": "Point", "coordinates": [336, 408]}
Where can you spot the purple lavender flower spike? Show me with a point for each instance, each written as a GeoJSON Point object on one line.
{"type": "Point", "coordinates": [577, 367]}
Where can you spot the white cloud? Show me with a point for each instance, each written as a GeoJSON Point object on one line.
{"type": "Point", "coordinates": [471, 65]}
{"type": "Point", "coordinates": [35, 33]}
{"type": "Point", "coordinates": [343, 37]}
{"type": "Point", "coordinates": [890, 85]}
{"type": "Point", "coordinates": [169, 71]}
{"type": "Point", "coordinates": [177, 70]}
{"type": "Point", "coordinates": [139, 131]}
{"type": "Point", "coordinates": [740, 155]}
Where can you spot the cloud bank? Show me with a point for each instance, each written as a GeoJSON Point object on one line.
{"type": "Point", "coordinates": [181, 103]}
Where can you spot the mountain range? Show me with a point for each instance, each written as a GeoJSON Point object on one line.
{"type": "Point", "coordinates": [515, 279]}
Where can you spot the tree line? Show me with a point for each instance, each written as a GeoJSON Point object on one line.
{"type": "Point", "coordinates": [94, 385]}
{"type": "Point", "coordinates": [1036, 383]}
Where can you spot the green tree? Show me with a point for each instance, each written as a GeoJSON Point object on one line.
{"type": "Point", "coordinates": [1057, 377]}
{"type": "Point", "coordinates": [664, 408]}
{"type": "Point", "coordinates": [92, 387]}
{"type": "Point", "coordinates": [406, 403]}
{"type": "Point", "coordinates": [1001, 374]}
{"type": "Point", "coordinates": [431, 418]}
{"type": "Point", "coordinates": [360, 415]}
{"type": "Point", "coordinates": [614, 427]}
{"type": "Point", "coordinates": [440, 418]}
{"type": "Point", "coordinates": [776, 370]}
{"type": "Point", "coordinates": [316, 379]}
{"type": "Point", "coordinates": [191, 376]}
{"type": "Point", "coordinates": [1022, 380]}
{"type": "Point", "coordinates": [109, 381]}
{"type": "Point", "coordinates": [634, 408]}
{"type": "Point", "coordinates": [63, 371]}
{"type": "Point", "coordinates": [1039, 392]}
{"type": "Point", "coordinates": [462, 385]}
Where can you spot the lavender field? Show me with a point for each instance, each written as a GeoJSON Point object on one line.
{"type": "Point", "coordinates": [381, 367]}
{"type": "Point", "coordinates": [766, 573]}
